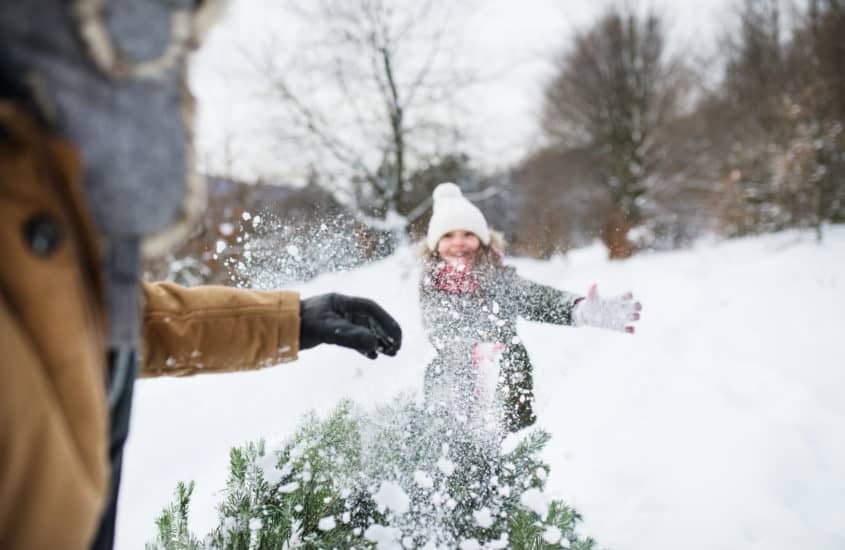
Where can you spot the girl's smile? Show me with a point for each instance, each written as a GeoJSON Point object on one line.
{"type": "Point", "coordinates": [458, 247]}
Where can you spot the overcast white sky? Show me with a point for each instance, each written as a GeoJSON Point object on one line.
{"type": "Point", "coordinates": [522, 35]}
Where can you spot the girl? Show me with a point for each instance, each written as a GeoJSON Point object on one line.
{"type": "Point", "coordinates": [470, 302]}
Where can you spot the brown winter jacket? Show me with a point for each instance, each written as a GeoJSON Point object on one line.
{"type": "Point", "coordinates": [53, 414]}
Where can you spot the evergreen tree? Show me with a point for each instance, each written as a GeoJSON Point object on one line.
{"type": "Point", "coordinates": [404, 476]}
{"type": "Point", "coordinates": [172, 524]}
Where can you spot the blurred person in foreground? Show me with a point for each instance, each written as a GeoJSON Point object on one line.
{"type": "Point", "coordinates": [97, 172]}
{"type": "Point", "coordinates": [470, 302]}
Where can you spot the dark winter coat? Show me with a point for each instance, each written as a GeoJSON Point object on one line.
{"type": "Point", "coordinates": [456, 321]}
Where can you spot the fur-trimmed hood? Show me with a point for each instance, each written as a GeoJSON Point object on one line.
{"type": "Point", "coordinates": [111, 76]}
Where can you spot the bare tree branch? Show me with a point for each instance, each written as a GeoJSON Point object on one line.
{"type": "Point", "coordinates": [367, 93]}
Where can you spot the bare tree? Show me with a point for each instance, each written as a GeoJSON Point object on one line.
{"type": "Point", "coordinates": [614, 93]}
{"type": "Point", "coordinates": [369, 99]}
{"type": "Point", "coordinates": [558, 202]}
{"type": "Point", "coordinates": [813, 159]}
{"type": "Point", "coordinates": [784, 93]}
{"type": "Point", "coordinates": [753, 95]}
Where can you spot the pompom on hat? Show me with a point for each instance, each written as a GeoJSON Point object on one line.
{"type": "Point", "coordinates": [451, 211]}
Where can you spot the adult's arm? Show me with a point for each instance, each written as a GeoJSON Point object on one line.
{"type": "Point", "coordinates": [216, 329]}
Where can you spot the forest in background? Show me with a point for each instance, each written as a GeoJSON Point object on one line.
{"type": "Point", "coordinates": [642, 147]}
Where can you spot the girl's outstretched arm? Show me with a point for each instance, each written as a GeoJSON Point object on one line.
{"type": "Point", "coordinates": [542, 303]}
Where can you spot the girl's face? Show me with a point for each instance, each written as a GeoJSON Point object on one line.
{"type": "Point", "coordinates": [458, 247]}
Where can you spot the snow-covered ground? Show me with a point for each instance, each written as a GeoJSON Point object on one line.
{"type": "Point", "coordinates": [719, 425]}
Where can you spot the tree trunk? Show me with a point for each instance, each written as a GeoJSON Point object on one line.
{"type": "Point", "coordinates": [614, 234]}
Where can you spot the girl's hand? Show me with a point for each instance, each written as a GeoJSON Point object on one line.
{"type": "Point", "coordinates": [612, 313]}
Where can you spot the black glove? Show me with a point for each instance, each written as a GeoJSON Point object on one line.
{"type": "Point", "coordinates": [347, 321]}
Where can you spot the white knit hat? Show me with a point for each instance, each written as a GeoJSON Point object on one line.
{"type": "Point", "coordinates": [452, 212]}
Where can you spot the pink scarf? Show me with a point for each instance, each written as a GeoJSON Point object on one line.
{"type": "Point", "coordinates": [454, 279]}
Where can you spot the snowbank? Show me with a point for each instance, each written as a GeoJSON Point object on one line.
{"type": "Point", "coordinates": [718, 425]}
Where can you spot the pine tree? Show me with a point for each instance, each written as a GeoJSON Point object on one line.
{"type": "Point", "coordinates": [173, 533]}
{"type": "Point", "coordinates": [403, 476]}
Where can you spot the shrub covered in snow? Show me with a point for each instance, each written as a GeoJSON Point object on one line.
{"type": "Point", "coordinates": [403, 476]}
